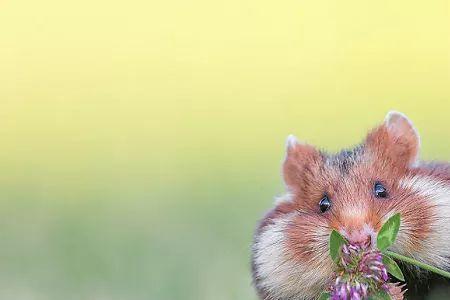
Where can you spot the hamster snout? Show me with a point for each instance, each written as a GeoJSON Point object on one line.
{"type": "Point", "coordinates": [365, 236]}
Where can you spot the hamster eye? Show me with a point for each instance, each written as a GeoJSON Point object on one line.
{"type": "Point", "coordinates": [325, 204]}
{"type": "Point", "coordinates": [379, 190]}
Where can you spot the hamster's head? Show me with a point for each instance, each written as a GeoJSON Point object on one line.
{"type": "Point", "coordinates": [353, 192]}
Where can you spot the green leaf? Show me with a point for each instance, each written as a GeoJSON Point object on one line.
{"type": "Point", "coordinates": [388, 232]}
{"type": "Point", "coordinates": [324, 296]}
{"type": "Point", "coordinates": [393, 268]}
{"type": "Point", "coordinates": [336, 242]}
{"type": "Point", "coordinates": [380, 296]}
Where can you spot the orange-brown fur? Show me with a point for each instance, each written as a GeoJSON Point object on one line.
{"type": "Point", "coordinates": [388, 154]}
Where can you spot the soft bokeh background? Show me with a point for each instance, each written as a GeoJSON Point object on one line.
{"type": "Point", "coordinates": [141, 140]}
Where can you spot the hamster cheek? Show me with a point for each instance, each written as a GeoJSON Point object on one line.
{"type": "Point", "coordinates": [425, 211]}
{"type": "Point", "coordinates": [291, 259]}
{"type": "Point", "coordinates": [308, 238]}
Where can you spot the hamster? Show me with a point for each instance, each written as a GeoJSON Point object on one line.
{"type": "Point", "coordinates": [354, 191]}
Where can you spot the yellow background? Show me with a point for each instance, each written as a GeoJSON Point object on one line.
{"type": "Point", "coordinates": [141, 140]}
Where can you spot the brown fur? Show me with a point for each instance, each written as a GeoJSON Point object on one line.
{"type": "Point", "coordinates": [388, 154]}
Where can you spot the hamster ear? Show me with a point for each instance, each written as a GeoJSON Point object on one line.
{"type": "Point", "coordinates": [396, 139]}
{"type": "Point", "coordinates": [299, 158]}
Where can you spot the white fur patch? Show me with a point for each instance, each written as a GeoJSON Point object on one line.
{"type": "Point", "coordinates": [283, 198]}
{"type": "Point", "coordinates": [291, 141]}
{"type": "Point", "coordinates": [437, 245]}
{"type": "Point", "coordinates": [279, 273]}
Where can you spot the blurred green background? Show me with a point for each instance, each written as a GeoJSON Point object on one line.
{"type": "Point", "coordinates": [141, 140]}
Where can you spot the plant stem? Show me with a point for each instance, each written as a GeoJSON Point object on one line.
{"type": "Point", "coordinates": [417, 263]}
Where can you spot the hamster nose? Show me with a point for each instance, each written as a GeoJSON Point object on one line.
{"type": "Point", "coordinates": [361, 238]}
